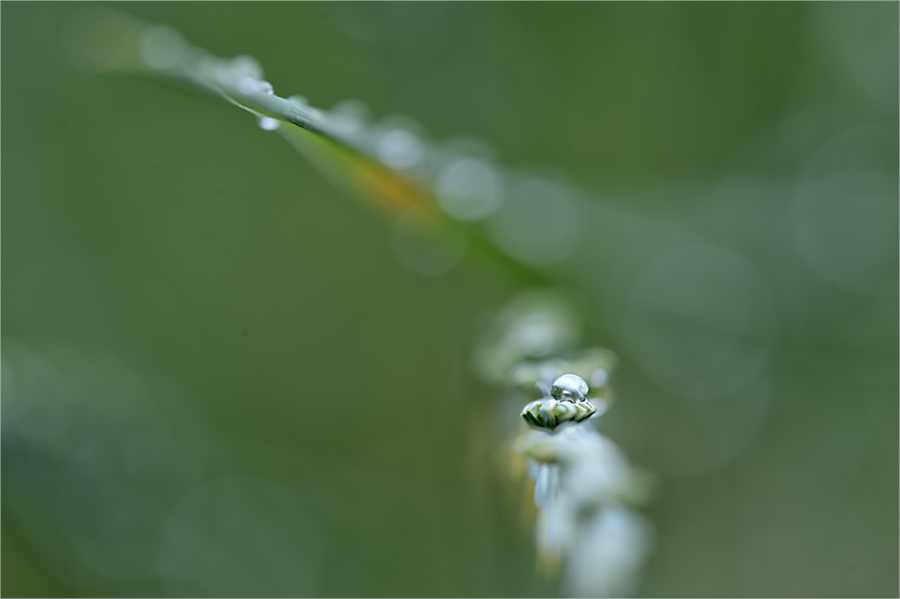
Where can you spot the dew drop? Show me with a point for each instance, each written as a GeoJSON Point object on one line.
{"type": "Point", "coordinates": [252, 85]}
{"type": "Point", "coordinates": [350, 117]}
{"type": "Point", "coordinates": [245, 66]}
{"type": "Point", "coordinates": [469, 189]}
{"type": "Point", "coordinates": [353, 108]}
{"type": "Point", "coordinates": [247, 85]}
{"type": "Point", "coordinates": [268, 123]}
{"type": "Point", "coordinates": [400, 149]}
{"type": "Point", "coordinates": [569, 387]}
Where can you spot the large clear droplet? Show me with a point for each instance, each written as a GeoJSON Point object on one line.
{"type": "Point", "coordinates": [569, 387]}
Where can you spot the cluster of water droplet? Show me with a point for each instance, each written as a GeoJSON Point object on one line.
{"type": "Point", "coordinates": [242, 73]}
{"type": "Point", "coordinates": [534, 219]}
{"type": "Point", "coordinates": [162, 48]}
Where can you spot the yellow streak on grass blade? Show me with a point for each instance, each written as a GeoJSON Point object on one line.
{"type": "Point", "coordinates": [387, 189]}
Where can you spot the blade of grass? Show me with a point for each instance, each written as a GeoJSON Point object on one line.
{"type": "Point", "coordinates": [341, 149]}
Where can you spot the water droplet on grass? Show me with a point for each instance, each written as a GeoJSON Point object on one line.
{"type": "Point", "coordinates": [400, 149]}
{"type": "Point", "coordinates": [569, 387]}
{"type": "Point", "coordinates": [350, 117]}
{"type": "Point", "coordinates": [469, 189]}
{"type": "Point", "coordinates": [268, 123]}
{"type": "Point", "coordinates": [252, 85]}
{"type": "Point", "coordinates": [245, 66]}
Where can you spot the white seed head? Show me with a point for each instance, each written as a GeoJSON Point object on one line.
{"type": "Point", "coordinates": [569, 387]}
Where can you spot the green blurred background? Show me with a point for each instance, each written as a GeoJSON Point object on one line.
{"type": "Point", "coordinates": [219, 380]}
